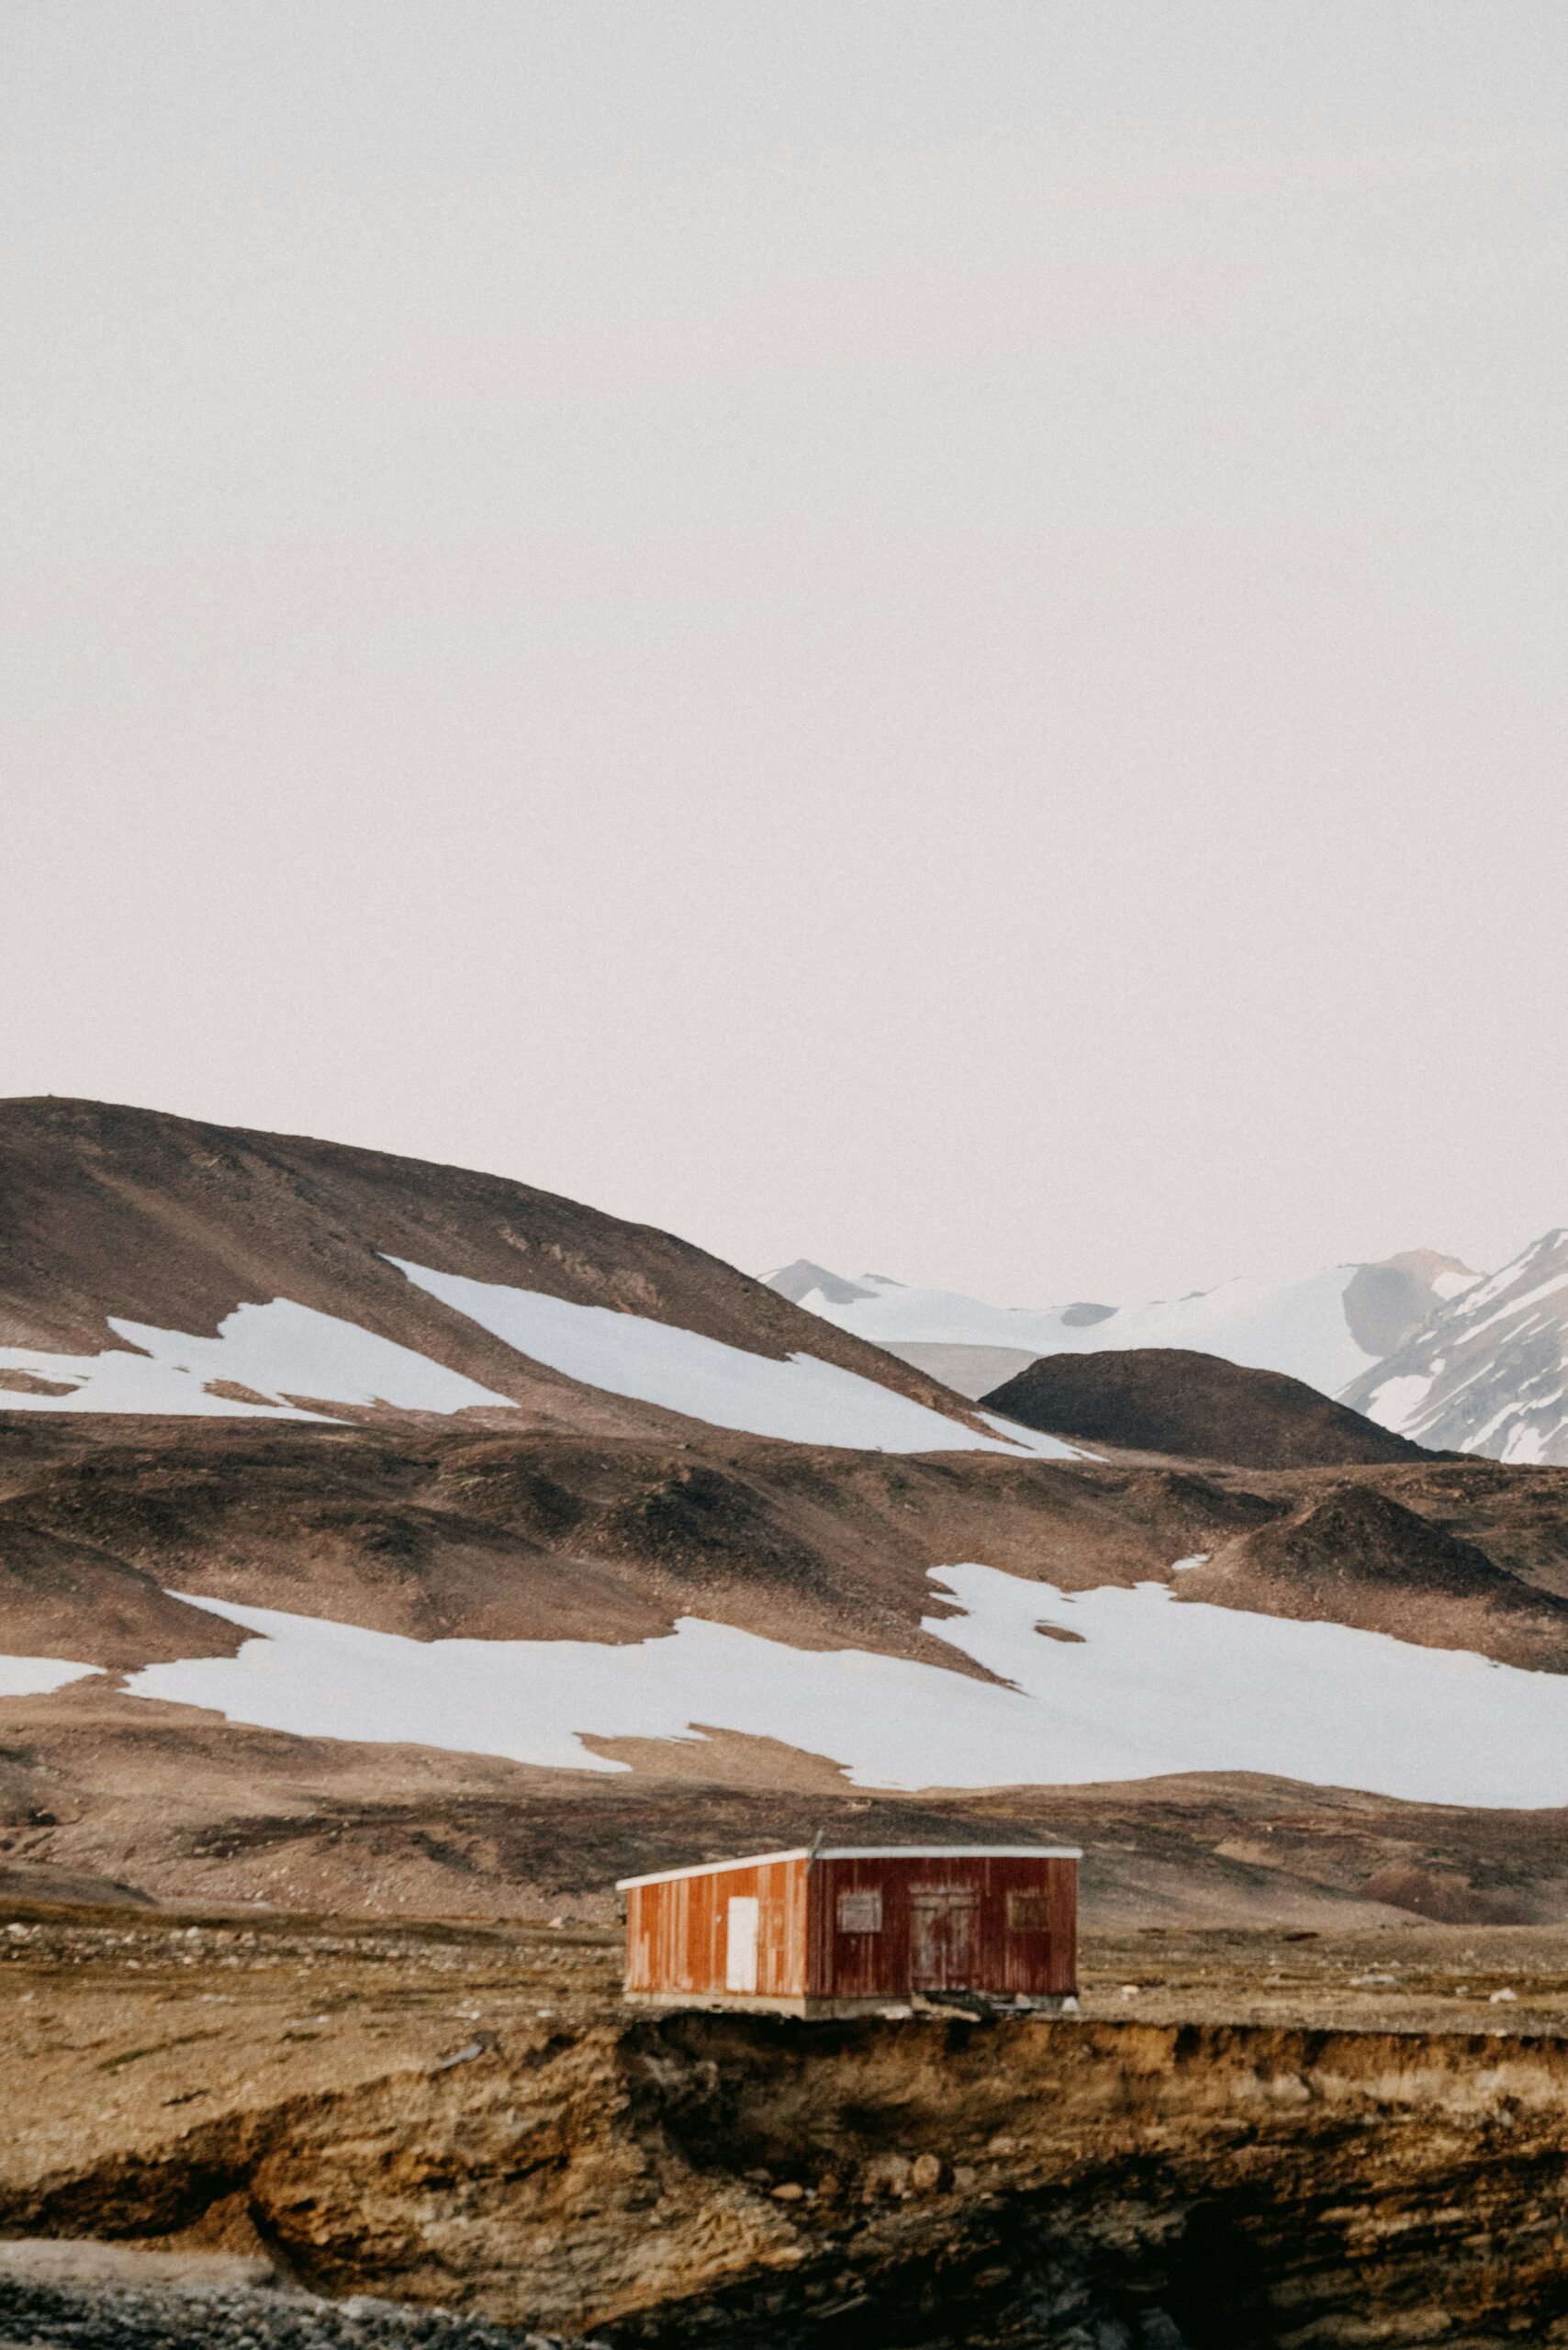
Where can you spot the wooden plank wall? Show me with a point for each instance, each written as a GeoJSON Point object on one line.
{"type": "Point", "coordinates": [676, 1931]}
{"type": "Point", "coordinates": [985, 1950]}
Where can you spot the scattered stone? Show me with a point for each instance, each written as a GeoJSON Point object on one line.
{"type": "Point", "coordinates": [925, 2172]}
{"type": "Point", "coordinates": [484, 2043]}
{"type": "Point", "coordinates": [788, 2190]}
{"type": "Point", "coordinates": [86, 2313]}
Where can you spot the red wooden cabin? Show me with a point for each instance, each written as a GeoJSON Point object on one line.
{"type": "Point", "coordinates": [847, 1930]}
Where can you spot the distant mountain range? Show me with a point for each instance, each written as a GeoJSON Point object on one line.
{"type": "Point", "coordinates": [1328, 1329]}
{"type": "Point", "coordinates": [1420, 1343]}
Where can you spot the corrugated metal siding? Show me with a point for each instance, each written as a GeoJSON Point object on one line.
{"type": "Point", "coordinates": [676, 1930]}
{"type": "Point", "coordinates": [946, 1924]}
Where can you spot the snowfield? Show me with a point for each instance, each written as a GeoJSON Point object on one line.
{"type": "Point", "coordinates": [799, 1399]}
{"type": "Point", "coordinates": [39, 1676]}
{"type": "Point", "coordinates": [279, 1350]}
{"type": "Point", "coordinates": [1151, 1684]}
{"type": "Point", "coordinates": [1299, 1328]}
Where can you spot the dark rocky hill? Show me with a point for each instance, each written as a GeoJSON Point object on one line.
{"type": "Point", "coordinates": [1356, 1555]}
{"type": "Point", "coordinates": [1197, 1406]}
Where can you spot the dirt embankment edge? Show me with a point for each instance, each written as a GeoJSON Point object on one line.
{"type": "Point", "coordinates": [676, 2179]}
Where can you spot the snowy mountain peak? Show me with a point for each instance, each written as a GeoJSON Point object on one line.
{"type": "Point", "coordinates": [1488, 1373]}
{"type": "Point", "coordinates": [1387, 1304]}
{"type": "Point", "coordinates": [802, 1280]}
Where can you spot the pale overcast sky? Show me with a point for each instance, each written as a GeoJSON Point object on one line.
{"type": "Point", "coordinates": [929, 632]}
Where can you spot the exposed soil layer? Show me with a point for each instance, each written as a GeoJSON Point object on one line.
{"type": "Point", "coordinates": [1195, 1406]}
{"type": "Point", "coordinates": [1251, 2139]}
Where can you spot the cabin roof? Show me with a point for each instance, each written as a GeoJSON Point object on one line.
{"type": "Point", "coordinates": [862, 1852]}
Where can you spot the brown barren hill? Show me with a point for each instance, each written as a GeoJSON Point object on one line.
{"type": "Point", "coordinates": [1194, 1406]}
{"type": "Point", "coordinates": [473, 1533]}
{"type": "Point", "coordinates": [1357, 1556]}
{"type": "Point", "coordinates": [107, 1210]}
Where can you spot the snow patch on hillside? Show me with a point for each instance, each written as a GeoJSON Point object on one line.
{"type": "Point", "coordinates": [1151, 1684]}
{"type": "Point", "coordinates": [1018, 1438]}
{"type": "Point", "coordinates": [799, 1398]}
{"type": "Point", "coordinates": [277, 1350]}
{"type": "Point", "coordinates": [1394, 1403]}
{"type": "Point", "coordinates": [39, 1676]}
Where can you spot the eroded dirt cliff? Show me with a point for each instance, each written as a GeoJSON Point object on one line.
{"type": "Point", "coordinates": [1260, 2140]}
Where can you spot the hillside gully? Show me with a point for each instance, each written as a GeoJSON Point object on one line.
{"type": "Point", "coordinates": [1251, 2138]}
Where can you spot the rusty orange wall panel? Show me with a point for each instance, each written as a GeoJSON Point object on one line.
{"type": "Point", "coordinates": [885, 1924]}
{"type": "Point", "coordinates": [678, 1929]}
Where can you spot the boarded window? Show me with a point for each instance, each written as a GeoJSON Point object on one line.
{"type": "Point", "coordinates": [1028, 1913]}
{"type": "Point", "coordinates": [860, 1913]}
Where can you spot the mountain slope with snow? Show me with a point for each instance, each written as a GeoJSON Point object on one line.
{"type": "Point", "coordinates": [1094, 1685]}
{"type": "Point", "coordinates": [1489, 1372]}
{"type": "Point", "coordinates": [153, 1265]}
{"type": "Point", "coordinates": [1327, 1329]}
{"type": "Point", "coordinates": [802, 1400]}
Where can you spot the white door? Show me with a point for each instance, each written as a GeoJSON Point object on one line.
{"type": "Point", "coordinates": [740, 1944]}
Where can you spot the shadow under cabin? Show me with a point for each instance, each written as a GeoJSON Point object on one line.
{"type": "Point", "coordinates": [842, 1930]}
